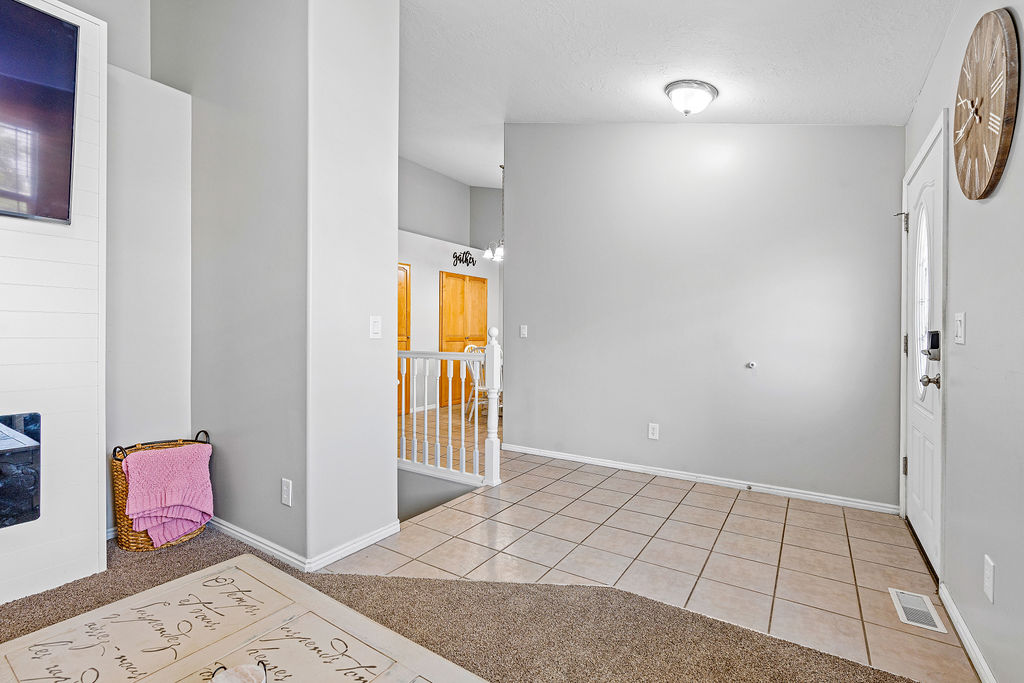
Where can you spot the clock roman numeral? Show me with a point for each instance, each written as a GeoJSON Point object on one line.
{"type": "Point", "coordinates": [961, 157]}
{"type": "Point", "coordinates": [977, 177]}
{"type": "Point", "coordinates": [988, 159]}
{"type": "Point", "coordinates": [967, 71]}
{"type": "Point", "coordinates": [995, 124]}
{"type": "Point", "coordinates": [998, 84]}
{"type": "Point", "coordinates": [967, 176]}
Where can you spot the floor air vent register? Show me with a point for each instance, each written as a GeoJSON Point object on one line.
{"type": "Point", "coordinates": [917, 610]}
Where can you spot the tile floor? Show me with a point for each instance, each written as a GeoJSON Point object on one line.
{"type": "Point", "coordinates": [807, 572]}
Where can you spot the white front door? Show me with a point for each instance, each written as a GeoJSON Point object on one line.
{"type": "Point", "coordinates": [924, 201]}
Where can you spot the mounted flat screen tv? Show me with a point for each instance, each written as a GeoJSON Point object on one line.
{"type": "Point", "coordinates": [38, 64]}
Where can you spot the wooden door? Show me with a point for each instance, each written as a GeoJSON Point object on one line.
{"type": "Point", "coordinates": [404, 300]}
{"type": "Point", "coordinates": [463, 321]}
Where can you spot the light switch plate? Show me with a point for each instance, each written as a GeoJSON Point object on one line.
{"type": "Point", "coordinates": [990, 579]}
{"type": "Point", "coordinates": [286, 492]}
{"type": "Point", "coordinates": [376, 327]}
{"type": "Point", "coordinates": [522, 331]}
{"type": "Point", "coordinates": [960, 328]}
{"type": "Point", "coordinates": [653, 430]}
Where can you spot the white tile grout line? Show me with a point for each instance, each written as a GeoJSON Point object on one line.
{"type": "Point", "coordinates": [778, 567]}
{"type": "Point", "coordinates": [856, 589]}
{"type": "Point", "coordinates": [717, 536]}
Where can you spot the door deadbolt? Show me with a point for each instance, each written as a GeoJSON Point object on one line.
{"type": "Point", "coordinates": [933, 345]}
{"type": "Point", "coordinates": [928, 381]}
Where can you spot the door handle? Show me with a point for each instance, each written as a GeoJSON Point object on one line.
{"type": "Point", "coordinates": [936, 380]}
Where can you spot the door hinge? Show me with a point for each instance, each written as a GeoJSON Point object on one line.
{"type": "Point", "coordinates": [904, 466]}
{"type": "Point", "coordinates": [906, 345]}
{"type": "Point", "coordinates": [905, 217]}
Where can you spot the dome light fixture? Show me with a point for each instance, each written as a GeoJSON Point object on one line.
{"type": "Point", "coordinates": [691, 96]}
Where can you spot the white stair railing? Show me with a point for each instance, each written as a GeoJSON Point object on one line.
{"type": "Point", "coordinates": [468, 381]}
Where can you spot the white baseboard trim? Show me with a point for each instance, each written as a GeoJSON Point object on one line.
{"type": "Point", "coordinates": [441, 473]}
{"type": "Point", "coordinates": [293, 559]}
{"type": "Point", "coordinates": [289, 557]}
{"type": "Point", "coordinates": [706, 479]}
{"type": "Point", "coordinates": [335, 554]}
{"type": "Point", "coordinates": [970, 644]}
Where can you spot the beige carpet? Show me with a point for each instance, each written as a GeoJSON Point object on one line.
{"type": "Point", "coordinates": [502, 632]}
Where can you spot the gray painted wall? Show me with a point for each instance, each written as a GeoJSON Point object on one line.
{"type": "Point", "coordinates": [128, 42]}
{"type": "Point", "coordinates": [651, 262]}
{"type": "Point", "coordinates": [982, 380]}
{"type": "Point", "coordinates": [149, 271]}
{"type": "Point", "coordinates": [432, 204]}
{"type": "Point", "coordinates": [245, 64]}
{"type": "Point", "coordinates": [484, 216]}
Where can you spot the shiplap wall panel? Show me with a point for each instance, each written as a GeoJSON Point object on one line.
{"type": "Point", "coordinates": [25, 378]}
{"type": "Point", "coordinates": [45, 246]}
{"type": "Point", "coordinates": [52, 340]}
{"type": "Point", "coordinates": [47, 273]}
{"type": "Point", "coordinates": [36, 325]}
{"type": "Point", "coordinates": [54, 299]}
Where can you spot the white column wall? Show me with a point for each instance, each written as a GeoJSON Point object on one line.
{"type": "Point", "coordinates": [52, 346]}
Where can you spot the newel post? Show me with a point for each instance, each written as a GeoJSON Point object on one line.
{"type": "Point", "coordinates": [492, 373]}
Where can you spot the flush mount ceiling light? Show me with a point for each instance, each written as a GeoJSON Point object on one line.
{"type": "Point", "coordinates": [690, 96]}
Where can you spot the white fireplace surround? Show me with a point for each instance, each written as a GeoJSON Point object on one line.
{"type": "Point", "coordinates": [52, 345]}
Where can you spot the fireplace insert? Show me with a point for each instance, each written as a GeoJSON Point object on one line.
{"type": "Point", "coordinates": [19, 468]}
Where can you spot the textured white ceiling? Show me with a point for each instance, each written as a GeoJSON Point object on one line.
{"type": "Point", "coordinates": [468, 66]}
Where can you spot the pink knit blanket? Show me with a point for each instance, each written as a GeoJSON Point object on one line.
{"type": "Point", "coordinates": [169, 492]}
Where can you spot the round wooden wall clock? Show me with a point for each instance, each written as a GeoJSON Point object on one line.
{"type": "Point", "coordinates": [986, 105]}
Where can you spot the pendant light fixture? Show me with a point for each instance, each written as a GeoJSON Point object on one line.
{"type": "Point", "coordinates": [691, 96]}
{"type": "Point", "coordinates": [496, 250]}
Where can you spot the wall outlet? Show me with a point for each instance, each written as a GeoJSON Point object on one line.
{"type": "Point", "coordinates": [653, 430]}
{"type": "Point", "coordinates": [960, 328]}
{"type": "Point", "coordinates": [376, 327]}
{"type": "Point", "coordinates": [990, 579]}
{"type": "Point", "coordinates": [286, 492]}
{"type": "Point", "coordinates": [522, 331]}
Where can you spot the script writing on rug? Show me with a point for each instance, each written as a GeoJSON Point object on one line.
{"type": "Point", "coordinates": [144, 635]}
{"type": "Point", "coordinates": [307, 648]}
{"type": "Point", "coordinates": [243, 611]}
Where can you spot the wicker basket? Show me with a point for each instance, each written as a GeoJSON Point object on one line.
{"type": "Point", "coordinates": [128, 538]}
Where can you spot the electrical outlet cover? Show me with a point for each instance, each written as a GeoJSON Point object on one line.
{"type": "Point", "coordinates": [652, 430]}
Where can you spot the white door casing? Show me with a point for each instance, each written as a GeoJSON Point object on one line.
{"type": "Point", "coordinates": [925, 189]}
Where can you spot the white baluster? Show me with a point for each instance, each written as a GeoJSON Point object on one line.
{"type": "Point", "coordinates": [492, 448]}
{"type": "Point", "coordinates": [402, 362]}
{"type": "Point", "coordinates": [462, 420]}
{"type": "Point", "coordinates": [451, 369]}
{"type": "Point", "coordinates": [476, 418]}
{"type": "Point", "coordinates": [437, 416]}
{"type": "Point", "coordinates": [415, 432]}
{"type": "Point", "coordinates": [426, 412]}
